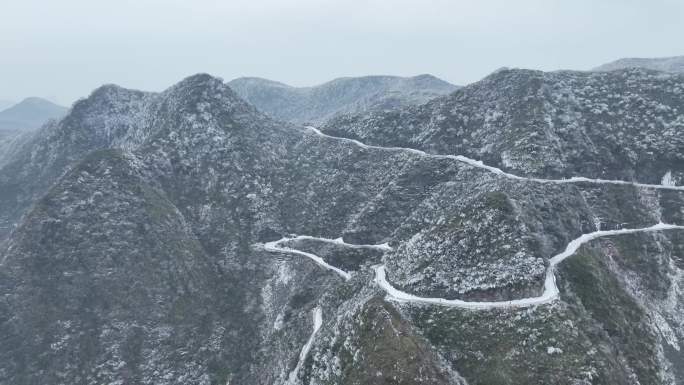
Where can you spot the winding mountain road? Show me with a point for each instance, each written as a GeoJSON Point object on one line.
{"type": "Point", "coordinates": [498, 171]}
{"type": "Point", "coordinates": [550, 293]}
{"type": "Point", "coordinates": [276, 247]}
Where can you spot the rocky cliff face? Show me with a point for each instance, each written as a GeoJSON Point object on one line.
{"type": "Point", "coordinates": [340, 96]}
{"type": "Point", "coordinates": [141, 223]}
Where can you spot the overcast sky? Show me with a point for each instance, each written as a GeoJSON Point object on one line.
{"type": "Point", "coordinates": [64, 49]}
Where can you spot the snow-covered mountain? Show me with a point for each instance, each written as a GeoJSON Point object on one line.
{"type": "Point", "coordinates": [339, 96]}
{"type": "Point", "coordinates": [624, 124]}
{"type": "Point", "coordinates": [185, 237]}
{"type": "Point", "coordinates": [667, 64]}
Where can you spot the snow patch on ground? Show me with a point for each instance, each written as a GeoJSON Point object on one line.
{"type": "Point", "coordinates": [553, 350]}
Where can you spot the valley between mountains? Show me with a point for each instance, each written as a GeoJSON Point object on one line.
{"type": "Point", "coordinates": [524, 229]}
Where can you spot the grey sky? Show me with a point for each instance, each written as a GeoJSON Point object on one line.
{"type": "Point", "coordinates": [63, 49]}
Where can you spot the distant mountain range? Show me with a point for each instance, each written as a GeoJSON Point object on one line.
{"type": "Point", "coordinates": [339, 96]}
{"type": "Point", "coordinates": [673, 64]}
{"type": "Point", "coordinates": [30, 113]}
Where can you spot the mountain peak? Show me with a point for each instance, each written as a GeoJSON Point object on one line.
{"type": "Point", "coordinates": [36, 101]}
{"type": "Point", "coordinates": [109, 100]}
{"type": "Point", "coordinates": [428, 77]}
{"type": "Point", "coordinates": [200, 83]}
{"type": "Point", "coordinates": [257, 81]}
{"type": "Point", "coordinates": [666, 64]}
{"type": "Point", "coordinates": [202, 87]}
{"type": "Point", "coordinates": [111, 92]}
{"type": "Point", "coordinates": [201, 79]}
{"type": "Point", "coordinates": [506, 72]}
{"type": "Point", "coordinates": [30, 113]}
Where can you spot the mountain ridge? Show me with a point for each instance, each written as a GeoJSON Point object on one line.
{"type": "Point", "coordinates": [338, 96]}
{"type": "Point", "coordinates": [673, 64]}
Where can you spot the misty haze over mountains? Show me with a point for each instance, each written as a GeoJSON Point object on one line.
{"type": "Point", "coordinates": [527, 228]}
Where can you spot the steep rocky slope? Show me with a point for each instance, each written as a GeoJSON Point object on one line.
{"type": "Point", "coordinates": [339, 96]}
{"type": "Point", "coordinates": [667, 64]}
{"type": "Point", "coordinates": [110, 117]}
{"type": "Point", "coordinates": [140, 255]}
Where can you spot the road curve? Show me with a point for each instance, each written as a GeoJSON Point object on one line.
{"type": "Point", "coordinates": [276, 246]}
{"type": "Point", "coordinates": [550, 293]}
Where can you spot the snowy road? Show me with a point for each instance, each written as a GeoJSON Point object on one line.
{"type": "Point", "coordinates": [550, 294]}
{"type": "Point", "coordinates": [275, 246]}
{"type": "Point", "coordinates": [317, 322]}
{"type": "Point", "coordinates": [498, 171]}
{"type": "Point", "coordinates": [340, 242]}
{"type": "Point", "coordinates": [550, 289]}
